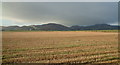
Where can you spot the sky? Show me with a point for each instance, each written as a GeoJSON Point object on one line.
{"type": "Point", "coordinates": [59, 0]}
{"type": "Point", "coordinates": [67, 13]}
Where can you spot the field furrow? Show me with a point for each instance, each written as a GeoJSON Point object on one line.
{"type": "Point", "coordinates": [60, 47]}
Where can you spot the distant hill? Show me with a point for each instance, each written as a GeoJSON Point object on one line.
{"type": "Point", "coordinates": [51, 27]}
{"type": "Point", "coordinates": [95, 27]}
{"type": "Point", "coordinates": [44, 27]}
{"type": "Point", "coordinates": [59, 27]}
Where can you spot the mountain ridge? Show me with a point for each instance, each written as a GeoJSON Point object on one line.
{"type": "Point", "coordinates": [60, 27]}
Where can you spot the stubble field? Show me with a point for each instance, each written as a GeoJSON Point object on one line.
{"type": "Point", "coordinates": [60, 47]}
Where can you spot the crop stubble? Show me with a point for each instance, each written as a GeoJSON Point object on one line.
{"type": "Point", "coordinates": [60, 47]}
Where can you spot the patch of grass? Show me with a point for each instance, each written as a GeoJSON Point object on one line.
{"type": "Point", "coordinates": [102, 30]}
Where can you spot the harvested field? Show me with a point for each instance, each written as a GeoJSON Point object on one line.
{"type": "Point", "coordinates": [60, 47]}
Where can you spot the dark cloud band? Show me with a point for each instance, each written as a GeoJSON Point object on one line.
{"type": "Point", "coordinates": [68, 13]}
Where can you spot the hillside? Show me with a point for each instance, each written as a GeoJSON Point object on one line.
{"type": "Point", "coordinates": [95, 27]}
{"type": "Point", "coordinates": [59, 27]}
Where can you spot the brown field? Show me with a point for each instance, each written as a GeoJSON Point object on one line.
{"type": "Point", "coordinates": [60, 47]}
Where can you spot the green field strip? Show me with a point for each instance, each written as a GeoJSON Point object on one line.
{"type": "Point", "coordinates": [102, 30]}
{"type": "Point", "coordinates": [65, 31]}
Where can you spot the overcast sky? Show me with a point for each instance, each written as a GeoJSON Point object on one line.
{"type": "Point", "coordinates": [67, 13]}
{"type": "Point", "coordinates": [59, 0]}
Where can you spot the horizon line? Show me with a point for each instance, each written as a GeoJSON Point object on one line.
{"type": "Point", "coordinates": [56, 23]}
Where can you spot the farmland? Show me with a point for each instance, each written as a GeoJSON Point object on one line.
{"type": "Point", "coordinates": [60, 47]}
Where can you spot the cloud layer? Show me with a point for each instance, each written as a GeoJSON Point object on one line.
{"type": "Point", "coordinates": [60, 0]}
{"type": "Point", "coordinates": [67, 13]}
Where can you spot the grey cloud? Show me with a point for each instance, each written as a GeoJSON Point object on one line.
{"type": "Point", "coordinates": [60, 0]}
{"type": "Point", "coordinates": [68, 13]}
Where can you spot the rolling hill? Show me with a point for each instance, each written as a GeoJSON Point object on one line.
{"type": "Point", "coordinates": [60, 27]}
